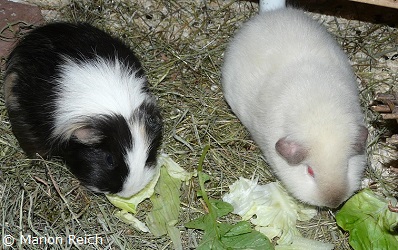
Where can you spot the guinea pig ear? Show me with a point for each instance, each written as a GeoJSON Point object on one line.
{"type": "Point", "coordinates": [87, 135]}
{"type": "Point", "coordinates": [292, 151]}
{"type": "Point", "coordinates": [360, 142]}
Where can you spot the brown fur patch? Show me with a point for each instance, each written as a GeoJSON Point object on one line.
{"type": "Point", "coordinates": [9, 83]}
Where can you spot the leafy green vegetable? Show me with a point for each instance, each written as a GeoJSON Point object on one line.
{"type": "Point", "coordinates": [300, 243]}
{"type": "Point", "coordinates": [130, 204]}
{"type": "Point", "coordinates": [223, 235]}
{"type": "Point", "coordinates": [370, 223]}
{"type": "Point", "coordinates": [163, 217]}
{"type": "Point", "coordinates": [164, 193]}
{"type": "Point", "coordinates": [174, 170]}
{"type": "Point", "coordinates": [276, 213]}
{"type": "Point", "coordinates": [128, 218]}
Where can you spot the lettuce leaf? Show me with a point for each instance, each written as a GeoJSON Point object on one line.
{"type": "Point", "coordinates": [130, 204]}
{"type": "Point", "coordinates": [163, 216]}
{"type": "Point", "coordinates": [275, 211]}
{"type": "Point", "coordinates": [223, 235]}
{"type": "Point", "coordinates": [128, 218]}
{"type": "Point", "coordinates": [166, 201]}
{"type": "Point", "coordinates": [304, 243]}
{"type": "Point", "coordinates": [370, 223]}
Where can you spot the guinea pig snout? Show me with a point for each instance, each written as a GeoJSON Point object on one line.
{"type": "Point", "coordinates": [333, 195]}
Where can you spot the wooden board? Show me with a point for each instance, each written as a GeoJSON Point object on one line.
{"type": "Point", "coordinates": [352, 9]}
{"type": "Point", "coordinates": [385, 3]}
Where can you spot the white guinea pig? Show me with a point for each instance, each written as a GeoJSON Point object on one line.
{"type": "Point", "coordinates": [73, 91]}
{"type": "Point", "coordinates": [292, 87]}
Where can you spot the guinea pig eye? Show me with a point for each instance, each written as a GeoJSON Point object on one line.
{"type": "Point", "coordinates": [310, 171]}
{"type": "Point", "coordinates": [109, 160]}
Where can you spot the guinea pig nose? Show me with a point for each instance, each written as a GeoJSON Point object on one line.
{"type": "Point", "coordinates": [310, 171]}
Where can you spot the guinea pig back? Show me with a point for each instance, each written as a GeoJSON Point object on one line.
{"type": "Point", "coordinates": [73, 91]}
{"type": "Point", "coordinates": [292, 87]}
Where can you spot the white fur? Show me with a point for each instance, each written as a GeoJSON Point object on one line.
{"type": "Point", "coordinates": [267, 5]}
{"type": "Point", "coordinates": [284, 75]}
{"type": "Point", "coordinates": [96, 87]}
{"type": "Point", "coordinates": [104, 87]}
{"type": "Point", "coordinates": [138, 178]}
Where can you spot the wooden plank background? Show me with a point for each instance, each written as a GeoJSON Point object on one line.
{"type": "Point", "coordinates": [375, 11]}
{"type": "Point", "coordinates": [385, 3]}
{"type": "Point", "coordinates": [354, 9]}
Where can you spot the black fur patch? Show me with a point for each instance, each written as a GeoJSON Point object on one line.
{"type": "Point", "coordinates": [90, 163]}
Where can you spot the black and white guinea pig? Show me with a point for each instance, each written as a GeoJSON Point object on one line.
{"type": "Point", "coordinates": [75, 92]}
{"type": "Point", "coordinates": [293, 88]}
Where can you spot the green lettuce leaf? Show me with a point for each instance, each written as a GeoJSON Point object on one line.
{"type": "Point", "coordinates": [300, 243]}
{"type": "Point", "coordinates": [164, 193]}
{"type": "Point", "coordinates": [163, 217]}
{"type": "Point", "coordinates": [269, 207]}
{"type": "Point", "coordinates": [370, 223]}
{"type": "Point", "coordinates": [128, 218]}
{"type": "Point", "coordinates": [130, 204]}
{"type": "Point", "coordinates": [222, 235]}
